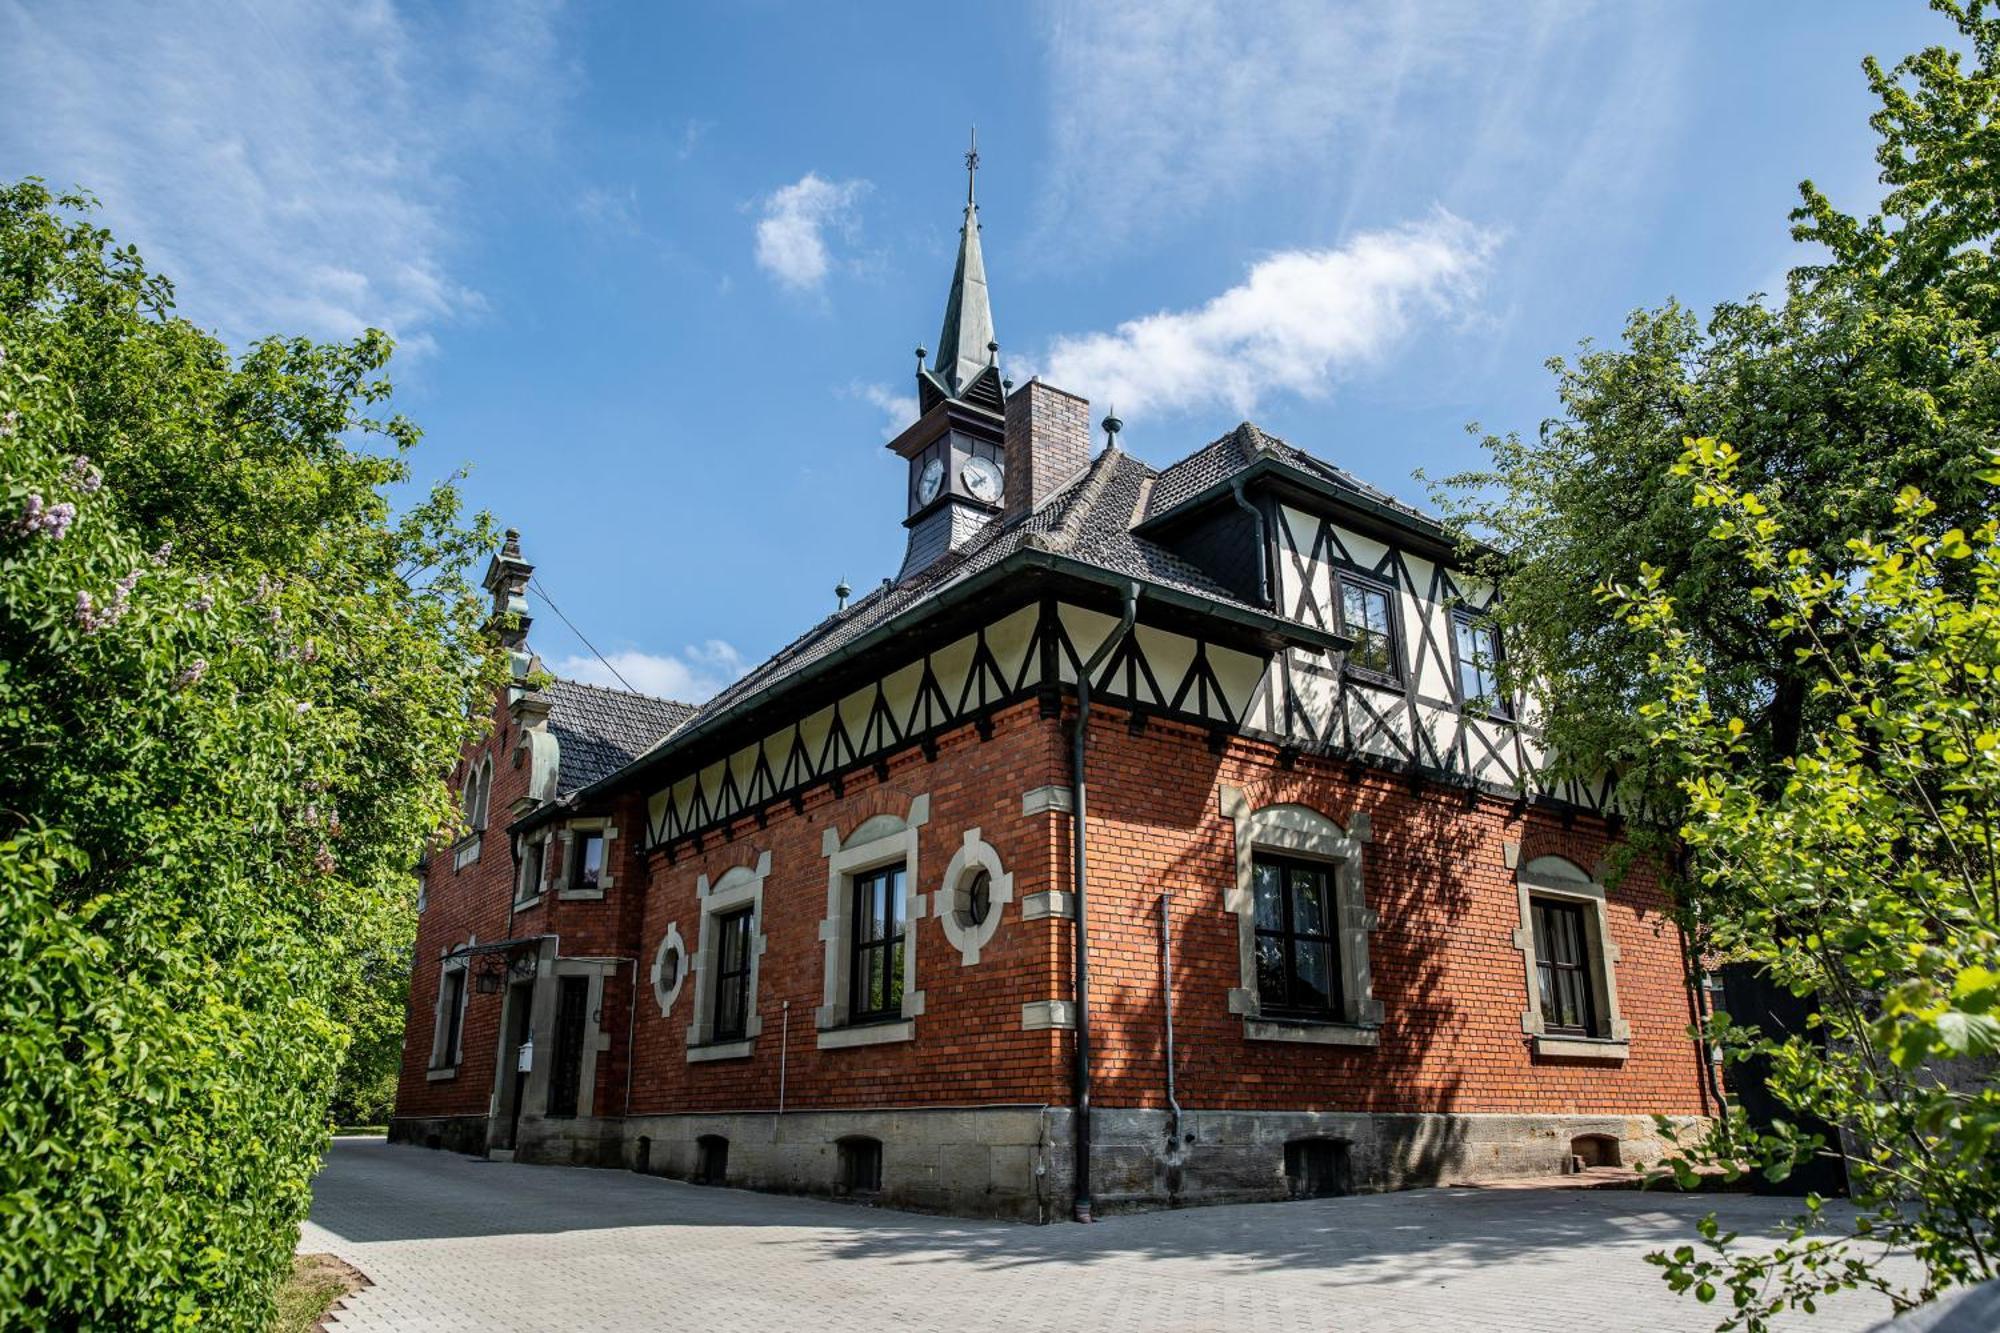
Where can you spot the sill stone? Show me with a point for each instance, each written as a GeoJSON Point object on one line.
{"type": "Point", "coordinates": [721, 1050]}
{"type": "Point", "coordinates": [1310, 1032]}
{"type": "Point", "coordinates": [868, 1034]}
{"type": "Point", "coordinates": [1582, 1048]}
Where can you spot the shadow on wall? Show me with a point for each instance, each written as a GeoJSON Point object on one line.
{"type": "Point", "coordinates": [1424, 841]}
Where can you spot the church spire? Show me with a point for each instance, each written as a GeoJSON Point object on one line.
{"type": "Point", "coordinates": [966, 347]}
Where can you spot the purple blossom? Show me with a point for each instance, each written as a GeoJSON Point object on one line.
{"type": "Point", "coordinates": [38, 516]}
{"type": "Point", "coordinates": [10, 421]}
{"type": "Point", "coordinates": [164, 554]}
{"type": "Point", "coordinates": [201, 603]}
{"type": "Point", "coordinates": [323, 860]}
{"type": "Point", "coordinates": [89, 618]}
{"type": "Point", "coordinates": [191, 674]}
{"type": "Point", "coordinates": [87, 476]}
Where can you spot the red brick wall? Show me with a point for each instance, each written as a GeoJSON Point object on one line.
{"type": "Point", "coordinates": [459, 904]}
{"type": "Point", "coordinates": [1451, 982]}
{"type": "Point", "coordinates": [1444, 965]}
{"type": "Point", "coordinates": [970, 1048]}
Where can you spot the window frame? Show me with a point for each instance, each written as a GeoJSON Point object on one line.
{"type": "Point", "coordinates": [448, 1012]}
{"type": "Point", "coordinates": [1551, 909]}
{"type": "Point", "coordinates": [881, 838]}
{"type": "Point", "coordinates": [890, 946]}
{"type": "Point", "coordinates": [737, 925]}
{"type": "Point", "coordinates": [1494, 701]}
{"type": "Point", "coordinates": [1290, 937]}
{"type": "Point", "coordinates": [1555, 878]}
{"type": "Point", "coordinates": [1392, 632]}
{"type": "Point", "coordinates": [739, 888]}
{"type": "Point", "coordinates": [579, 840]}
{"type": "Point", "coordinates": [528, 887]}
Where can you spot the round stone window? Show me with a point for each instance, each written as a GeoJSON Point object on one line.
{"type": "Point", "coordinates": [669, 969]}
{"type": "Point", "coordinates": [975, 898]}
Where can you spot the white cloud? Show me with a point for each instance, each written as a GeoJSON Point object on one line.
{"type": "Point", "coordinates": [1298, 322]}
{"type": "Point", "coordinates": [791, 235]}
{"type": "Point", "coordinates": [291, 166]}
{"type": "Point", "coordinates": [898, 409]}
{"type": "Point", "coordinates": [696, 673]}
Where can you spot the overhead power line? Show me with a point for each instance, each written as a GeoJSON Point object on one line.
{"type": "Point", "coordinates": [541, 590]}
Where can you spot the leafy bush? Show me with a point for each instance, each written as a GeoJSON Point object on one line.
{"type": "Point", "coordinates": [230, 681]}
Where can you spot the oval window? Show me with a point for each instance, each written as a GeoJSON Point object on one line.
{"type": "Point", "coordinates": [975, 898]}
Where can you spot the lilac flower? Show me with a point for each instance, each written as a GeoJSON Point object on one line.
{"type": "Point", "coordinates": [10, 421]}
{"type": "Point", "coordinates": [323, 861]}
{"type": "Point", "coordinates": [191, 674]}
{"type": "Point", "coordinates": [89, 618]}
{"type": "Point", "coordinates": [164, 554]}
{"type": "Point", "coordinates": [201, 603]}
{"type": "Point", "coordinates": [87, 476]}
{"type": "Point", "coordinates": [38, 516]}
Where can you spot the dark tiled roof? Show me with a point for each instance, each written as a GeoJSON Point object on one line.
{"type": "Point", "coordinates": [601, 730]}
{"type": "Point", "coordinates": [1237, 450]}
{"type": "Point", "coordinates": [1089, 521]}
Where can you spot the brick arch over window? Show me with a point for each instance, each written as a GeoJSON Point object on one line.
{"type": "Point", "coordinates": [1295, 829]}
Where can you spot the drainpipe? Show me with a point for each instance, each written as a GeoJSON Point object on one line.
{"type": "Point", "coordinates": [1079, 841]}
{"type": "Point", "coordinates": [1167, 995]}
{"type": "Point", "coordinates": [1263, 551]}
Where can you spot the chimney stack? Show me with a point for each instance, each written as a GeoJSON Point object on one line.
{"type": "Point", "coordinates": [1047, 443]}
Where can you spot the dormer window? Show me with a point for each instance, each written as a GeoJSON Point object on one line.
{"type": "Point", "coordinates": [1367, 615]}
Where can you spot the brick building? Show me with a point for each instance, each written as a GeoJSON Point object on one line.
{"type": "Point", "coordinates": [1153, 836]}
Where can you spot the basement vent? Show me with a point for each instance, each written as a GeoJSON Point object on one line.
{"type": "Point", "coordinates": [860, 1165]}
{"type": "Point", "coordinates": [711, 1160]}
{"type": "Point", "coordinates": [1318, 1168]}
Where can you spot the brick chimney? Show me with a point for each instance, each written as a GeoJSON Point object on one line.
{"type": "Point", "coordinates": [1047, 443]}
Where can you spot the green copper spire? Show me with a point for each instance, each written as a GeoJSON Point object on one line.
{"type": "Point", "coordinates": [966, 346]}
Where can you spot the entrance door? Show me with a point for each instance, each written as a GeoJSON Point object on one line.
{"type": "Point", "coordinates": [566, 1077]}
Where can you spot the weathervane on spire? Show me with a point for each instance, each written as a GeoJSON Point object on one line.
{"type": "Point", "coordinates": [971, 163]}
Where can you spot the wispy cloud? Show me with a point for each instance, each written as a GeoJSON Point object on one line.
{"type": "Point", "coordinates": [1299, 321]}
{"type": "Point", "coordinates": [291, 166]}
{"type": "Point", "coordinates": [692, 675]}
{"type": "Point", "coordinates": [898, 409]}
{"type": "Point", "coordinates": [1161, 110]}
{"type": "Point", "coordinates": [791, 234]}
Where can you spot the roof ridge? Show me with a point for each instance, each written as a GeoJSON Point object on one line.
{"type": "Point", "coordinates": [621, 693]}
{"type": "Point", "coordinates": [1088, 492]}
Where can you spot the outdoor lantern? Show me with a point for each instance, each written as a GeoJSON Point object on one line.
{"type": "Point", "coordinates": [492, 971]}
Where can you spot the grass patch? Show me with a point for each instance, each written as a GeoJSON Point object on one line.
{"type": "Point", "coordinates": [317, 1281]}
{"type": "Point", "coordinates": [344, 1131]}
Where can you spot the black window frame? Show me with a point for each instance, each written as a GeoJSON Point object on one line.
{"type": "Point", "coordinates": [1549, 970]}
{"type": "Point", "coordinates": [1496, 703]}
{"type": "Point", "coordinates": [580, 841]}
{"type": "Point", "coordinates": [891, 946]}
{"type": "Point", "coordinates": [454, 1017]}
{"type": "Point", "coordinates": [732, 978]}
{"type": "Point", "coordinates": [1391, 633]}
{"type": "Point", "coordinates": [1288, 937]}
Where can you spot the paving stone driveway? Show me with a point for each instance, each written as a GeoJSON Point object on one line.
{"type": "Point", "coordinates": [457, 1243]}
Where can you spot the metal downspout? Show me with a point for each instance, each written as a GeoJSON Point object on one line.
{"type": "Point", "coordinates": [1263, 549]}
{"type": "Point", "coordinates": [1079, 842]}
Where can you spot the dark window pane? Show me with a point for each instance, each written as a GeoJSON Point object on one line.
{"type": "Point", "coordinates": [1271, 970]}
{"type": "Point", "coordinates": [892, 956]}
{"type": "Point", "coordinates": [1313, 978]}
{"type": "Point", "coordinates": [1267, 883]}
{"type": "Point", "coordinates": [1308, 901]}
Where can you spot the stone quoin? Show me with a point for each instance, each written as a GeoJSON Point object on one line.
{"type": "Point", "coordinates": [825, 932]}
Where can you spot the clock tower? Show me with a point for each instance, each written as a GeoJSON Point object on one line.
{"type": "Point", "coordinates": [955, 449]}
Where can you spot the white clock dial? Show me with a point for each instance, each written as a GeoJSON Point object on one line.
{"type": "Point", "coordinates": [982, 479]}
{"type": "Point", "coordinates": [929, 480]}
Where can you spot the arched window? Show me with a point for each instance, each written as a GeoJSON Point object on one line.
{"type": "Point", "coordinates": [1570, 959]}
{"type": "Point", "coordinates": [478, 791]}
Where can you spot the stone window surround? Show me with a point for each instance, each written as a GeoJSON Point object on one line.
{"type": "Point", "coordinates": [596, 824]}
{"type": "Point", "coordinates": [739, 886]}
{"type": "Point", "coordinates": [444, 1064]}
{"type": "Point", "coordinates": [973, 855]}
{"type": "Point", "coordinates": [877, 841]}
{"type": "Point", "coordinates": [671, 942]}
{"type": "Point", "coordinates": [1299, 830]}
{"type": "Point", "coordinates": [595, 1039]}
{"type": "Point", "coordinates": [526, 896]}
{"type": "Point", "coordinates": [1558, 877]}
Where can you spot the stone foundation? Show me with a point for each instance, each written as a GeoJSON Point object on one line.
{"type": "Point", "coordinates": [1016, 1161]}
{"type": "Point", "coordinates": [454, 1133]}
{"type": "Point", "coordinates": [1239, 1156]}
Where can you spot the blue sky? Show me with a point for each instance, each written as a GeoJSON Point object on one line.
{"type": "Point", "coordinates": [657, 271]}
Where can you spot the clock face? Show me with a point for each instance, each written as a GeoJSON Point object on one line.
{"type": "Point", "coordinates": [982, 479]}
{"type": "Point", "coordinates": [929, 480]}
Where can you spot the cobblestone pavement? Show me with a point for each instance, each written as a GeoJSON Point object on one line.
{"type": "Point", "coordinates": [457, 1243]}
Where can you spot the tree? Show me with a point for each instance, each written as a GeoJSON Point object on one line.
{"type": "Point", "coordinates": [1865, 875]}
{"type": "Point", "coordinates": [231, 679]}
{"type": "Point", "coordinates": [1792, 697]}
